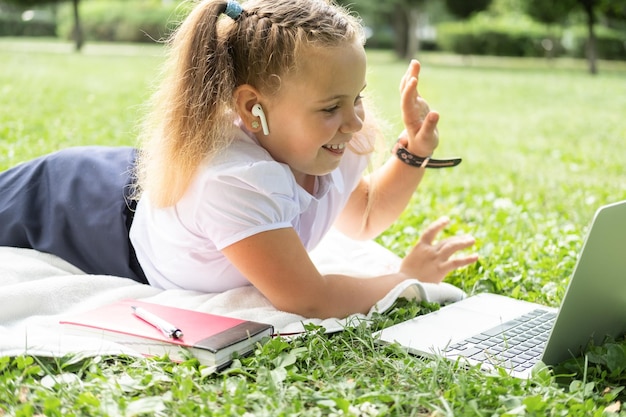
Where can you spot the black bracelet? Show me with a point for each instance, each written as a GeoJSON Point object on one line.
{"type": "Point", "coordinates": [423, 162]}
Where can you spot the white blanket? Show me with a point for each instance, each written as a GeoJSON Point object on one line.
{"type": "Point", "coordinates": [38, 289]}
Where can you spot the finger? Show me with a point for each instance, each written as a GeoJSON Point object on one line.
{"type": "Point", "coordinates": [409, 92]}
{"type": "Point", "coordinates": [412, 71]}
{"type": "Point", "coordinates": [403, 80]}
{"type": "Point", "coordinates": [460, 262]}
{"type": "Point", "coordinates": [415, 68]}
{"type": "Point", "coordinates": [415, 110]}
{"type": "Point", "coordinates": [430, 123]}
{"type": "Point", "coordinates": [427, 129]}
{"type": "Point", "coordinates": [454, 244]}
{"type": "Point", "coordinates": [425, 133]}
{"type": "Point", "coordinates": [433, 230]}
{"type": "Point", "coordinates": [403, 138]}
{"type": "Point", "coordinates": [412, 109]}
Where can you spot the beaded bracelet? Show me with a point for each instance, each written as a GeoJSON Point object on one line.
{"type": "Point", "coordinates": [423, 162]}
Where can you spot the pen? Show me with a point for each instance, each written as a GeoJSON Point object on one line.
{"type": "Point", "coordinates": [168, 329]}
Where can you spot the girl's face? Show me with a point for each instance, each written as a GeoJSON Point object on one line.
{"type": "Point", "coordinates": [317, 110]}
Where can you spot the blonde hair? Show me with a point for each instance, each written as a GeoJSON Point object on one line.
{"type": "Point", "coordinates": [210, 55]}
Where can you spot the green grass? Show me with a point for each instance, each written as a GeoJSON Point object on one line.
{"type": "Point", "coordinates": [543, 147]}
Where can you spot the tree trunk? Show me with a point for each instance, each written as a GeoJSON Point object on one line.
{"type": "Point", "coordinates": [401, 30]}
{"type": "Point", "coordinates": [78, 31]}
{"type": "Point", "coordinates": [406, 20]}
{"type": "Point", "coordinates": [413, 40]}
{"type": "Point", "coordinates": [590, 47]}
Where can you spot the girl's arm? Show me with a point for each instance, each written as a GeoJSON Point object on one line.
{"type": "Point", "coordinates": [277, 264]}
{"type": "Point", "coordinates": [394, 182]}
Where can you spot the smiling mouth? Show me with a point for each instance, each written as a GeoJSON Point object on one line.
{"type": "Point", "coordinates": [338, 148]}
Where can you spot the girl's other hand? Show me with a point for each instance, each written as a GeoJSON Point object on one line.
{"type": "Point", "coordinates": [428, 261]}
{"type": "Point", "coordinates": [420, 136]}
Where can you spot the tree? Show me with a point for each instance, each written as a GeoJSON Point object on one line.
{"type": "Point", "coordinates": [550, 12]}
{"type": "Point", "coordinates": [588, 7]}
{"type": "Point", "coordinates": [405, 17]}
{"type": "Point", "coordinates": [386, 14]}
{"type": "Point", "coordinates": [613, 8]}
{"type": "Point", "coordinates": [402, 16]}
{"type": "Point", "coordinates": [78, 33]}
{"type": "Point", "coordinates": [465, 8]}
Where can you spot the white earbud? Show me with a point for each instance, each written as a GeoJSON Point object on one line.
{"type": "Point", "coordinates": [257, 110]}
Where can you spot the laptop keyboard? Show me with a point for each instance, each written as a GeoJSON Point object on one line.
{"type": "Point", "coordinates": [516, 344]}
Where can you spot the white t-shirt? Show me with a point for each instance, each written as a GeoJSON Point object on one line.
{"type": "Point", "coordinates": [241, 192]}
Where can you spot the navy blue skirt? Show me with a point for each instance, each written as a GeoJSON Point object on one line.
{"type": "Point", "coordinates": [75, 204]}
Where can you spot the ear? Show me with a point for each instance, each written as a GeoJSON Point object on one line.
{"type": "Point", "coordinates": [245, 97]}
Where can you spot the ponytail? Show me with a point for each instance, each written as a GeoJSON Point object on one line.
{"type": "Point", "coordinates": [190, 112]}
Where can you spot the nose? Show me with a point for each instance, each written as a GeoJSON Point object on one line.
{"type": "Point", "coordinates": [353, 122]}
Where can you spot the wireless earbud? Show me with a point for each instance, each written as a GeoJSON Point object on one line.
{"type": "Point", "coordinates": [257, 110]}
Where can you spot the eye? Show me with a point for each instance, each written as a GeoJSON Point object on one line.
{"type": "Point", "coordinates": [331, 109]}
{"type": "Point", "coordinates": [358, 98]}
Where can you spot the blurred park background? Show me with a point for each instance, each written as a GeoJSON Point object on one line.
{"type": "Point", "coordinates": [589, 29]}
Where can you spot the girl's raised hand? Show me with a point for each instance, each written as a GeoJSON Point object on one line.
{"type": "Point", "coordinates": [420, 136]}
{"type": "Point", "coordinates": [431, 261]}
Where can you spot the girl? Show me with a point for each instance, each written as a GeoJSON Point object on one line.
{"type": "Point", "coordinates": [256, 145]}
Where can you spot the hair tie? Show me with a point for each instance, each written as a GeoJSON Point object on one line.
{"type": "Point", "coordinates": [233, 9]}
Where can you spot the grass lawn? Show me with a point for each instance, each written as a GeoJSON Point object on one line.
{"type": "Point", "coordinates": [544, 145]}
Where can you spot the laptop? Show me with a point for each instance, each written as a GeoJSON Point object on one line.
{"type": "Point", "coordinates": [496, 331]}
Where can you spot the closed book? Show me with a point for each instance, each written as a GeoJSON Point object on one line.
{"type": "Point", "coordinates": [211, 338]}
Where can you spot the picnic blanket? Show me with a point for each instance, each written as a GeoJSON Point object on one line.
{"type": "Point", "coordinates": [38, 289]}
